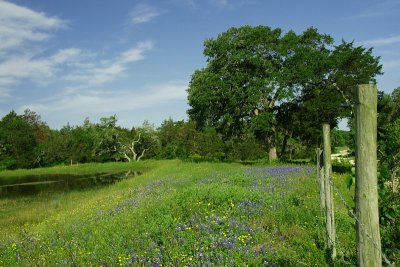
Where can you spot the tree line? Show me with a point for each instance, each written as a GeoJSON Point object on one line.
{"type": "Point", "coordinates": [27, 142]}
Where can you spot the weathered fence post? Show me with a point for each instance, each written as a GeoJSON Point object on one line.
{"type": "Point", "coordinates": [368, 251]}
{"type": "Point", "coordinates": [320, 177]}
{"type": "Point", "coordinates": [320, 174]}
{"type": "Point", "coordinates": [329, 211]}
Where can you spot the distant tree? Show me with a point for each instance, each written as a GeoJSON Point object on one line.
{"type": "Point", "coordinates": [209, 144]}
{"type": "Point", "coordinates": [388, 107]}
{"type": "Point", "coordinates": [17, 142]}
{"type": "Point", "coordinates": [169, 134]}
{"type": "Point", "coordinates": [141, 142]}
{"type": "Point", "coordinates": [55, 148]}
{"type": "Point", "coordinates": [107, 138]}
{"type": "Point", "coordinates": [340, 138]}
{"type": "Point", "coordinates": [245, 147]}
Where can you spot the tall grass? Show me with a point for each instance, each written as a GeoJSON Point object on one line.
{"type": "Point", "coordinates": [178, 214]}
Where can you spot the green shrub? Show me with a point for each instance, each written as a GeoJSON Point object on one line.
{"type": "Point", "coordinates": [342, 165]}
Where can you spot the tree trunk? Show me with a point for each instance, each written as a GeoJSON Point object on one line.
{"type": "Point", "coordinates": [272, 155]}
{"type": "Point", "coordinates": [284, 144]}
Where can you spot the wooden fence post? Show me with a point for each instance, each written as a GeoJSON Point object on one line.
{"type": "Point", "coordinates": [320, 177]}
{"type": "Point", "coordinates": [329, 210]}
{"type": "Point", "coordinates": [368, 248]}
{"type": "Point", "coordinates": [320, 174]}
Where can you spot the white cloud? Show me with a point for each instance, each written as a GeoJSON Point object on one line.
{"type": "Point", "coordinates": [15, 68]}
{"type": "Point", "coordinates": [382, 41]}
{"type": "Point", "coordinates": [19, 25]}
{"type": "Point", "coordinates": [136, 53]}
{"type": "Point", "coordinates": [24, 67]}
{"type": "Point", "coordinates": [108, 70]}
{"type": "Point", "coordinates": [4, 95]}
{"type": "Point", "coordinates": [6, 81]}
{"type": "Point", "coordinates": [67, 55]}
{"type": "Point", "coordinates": [93, 102]}
{"type": "Point", "coordinates": [79, 66]}
{"type": "Point", "coordinates": [391, 64]}
{"type": "Point", "coordinates": [20, 29]}
{"type": "Point", "coordinates": [144, 13]}
{"type": "Point", "coordinates": [380, 9]}
{"type": "Point", "coordinates": [190, 3]}
{"type": "Point", "coordinates": [220, 3]}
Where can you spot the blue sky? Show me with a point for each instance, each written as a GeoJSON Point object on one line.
{"type": "Point", "coordinates": [68, 60]}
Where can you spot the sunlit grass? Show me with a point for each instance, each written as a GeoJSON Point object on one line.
{"type": "Point", "coordinates": [180, 214]}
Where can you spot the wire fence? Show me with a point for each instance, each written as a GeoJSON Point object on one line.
{"type": "Point", "coordinates": [350, 212]}
{"type": "Point", "coordinates": [360, 225]}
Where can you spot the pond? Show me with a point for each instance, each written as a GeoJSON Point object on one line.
{"type": "Point", "coordinates": [38, 184]}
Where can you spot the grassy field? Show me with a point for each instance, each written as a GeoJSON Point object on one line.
{"type": "Point", "coordinates": [178, 214]}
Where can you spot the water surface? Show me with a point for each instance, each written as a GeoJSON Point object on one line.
{"type": "Point", "coordinates": [43, 184]}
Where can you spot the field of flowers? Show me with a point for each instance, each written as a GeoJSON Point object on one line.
{"type": "Point", "coordinates": [184, 214]}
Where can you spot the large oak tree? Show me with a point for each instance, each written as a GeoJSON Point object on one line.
{"type": "Point", "coordinates": [249, 74]}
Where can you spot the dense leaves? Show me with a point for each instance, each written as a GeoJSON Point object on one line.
{"type": "Point", "coordinates": [389, 171]}
{"type": "Point", "coordinates": [20, 140]}
{"type": "Point", "coordinates": [260, 81]}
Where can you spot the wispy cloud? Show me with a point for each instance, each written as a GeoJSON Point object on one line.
{"type": "Point", "coordinates": [143, 13]}
{"type": "Point", "coordinates": [4, 95]}
{"type": "Point", "coordinates": [220, 3]}
{"type": "Point", "coordinates": [217, 5]}
{"type": "Point", "coordinates": [227, 4]}
{"type": "Point", "coordinates": [95, 102]}
{"type": "Point", "coordinates": [103, 71]}
{"type": "Point", "coordinates": [382, 41]}
{"type": "Point", "coordinates": [19, 25]}
{"type": "Point", "coordinates": [20, 67]}
{"type": "Point", "coordinates": [20, 29]}
{"type": "Point", "coordinates": [381, 8]}
{"type": "Point", "coordinates": [190, 3]}
{"type": "Point", "coordinates": [391, 64]}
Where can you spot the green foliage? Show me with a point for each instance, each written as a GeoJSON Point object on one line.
{"type": "Point", "coordinates": [389, 171]}
{"type": "Point", "coordinates": [340, 138]}
{"type": "Point", "coordinates": [244, 79]}
{"type": "Point", "coordinates": [245, 148]}
{"type": "Point", "coordinates": [389, 176]}
{"type": "Point", "coordinates": [18, 142]}
{"type": "Point", "coordinates": [342, 165]}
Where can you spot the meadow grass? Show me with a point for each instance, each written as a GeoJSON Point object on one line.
{"type": "Point", "coordinates": [179, 214]}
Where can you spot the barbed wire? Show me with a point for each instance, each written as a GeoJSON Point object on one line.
{"type": "Point", "coordinates": [323, 222]}
{"type": "Point", "coordinates": [361, 226]}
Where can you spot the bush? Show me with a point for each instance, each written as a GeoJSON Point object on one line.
{"type": "Point", "coordinates": [342, 165]}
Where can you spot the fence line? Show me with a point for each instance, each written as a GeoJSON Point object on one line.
{"type": "Point", "coordinates": [362, 227]}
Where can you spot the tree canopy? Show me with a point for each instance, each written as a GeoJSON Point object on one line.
{"type": "Point", "coordinates": [257, 78]}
